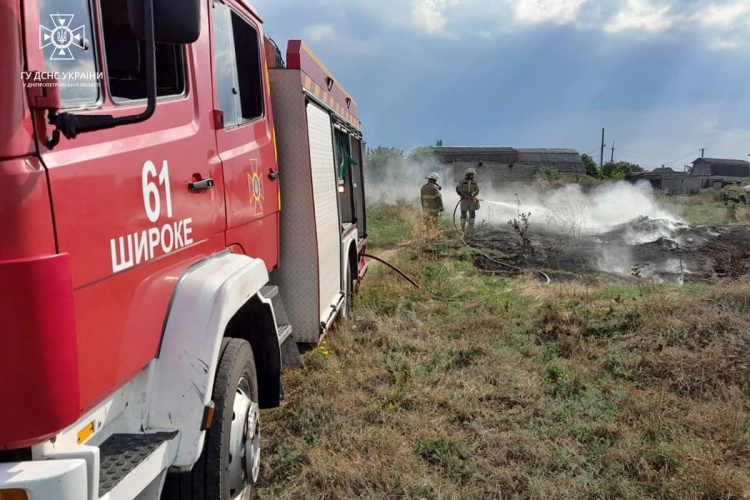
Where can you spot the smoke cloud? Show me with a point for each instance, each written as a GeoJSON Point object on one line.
{"type": "Point", "coordinates": [568, 209]}
{"type": "Point", "coordinates": [572, 208]}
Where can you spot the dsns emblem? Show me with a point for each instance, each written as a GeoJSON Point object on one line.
{"type": "Point", "coordinates": [255, 183]}
{"type": "Point", "coordinates": [61, 36]}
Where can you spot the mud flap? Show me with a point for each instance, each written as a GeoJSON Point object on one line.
{"type": "Point", "coordinates": [290, 355]}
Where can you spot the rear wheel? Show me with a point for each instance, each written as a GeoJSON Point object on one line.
{"type": "Point", "coordinates": [348, 292]}
{"type": "Point", "coordinates": [230, 463]}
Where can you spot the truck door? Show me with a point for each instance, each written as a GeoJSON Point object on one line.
{"type": "Point", "coordinates": [122, 207]}
{"type": "Point", "coordinates": [322, 164]}
{"type": "Point", "coordinates": [358, 177]}
{"type": "Point", "coordinates": [245, 142]}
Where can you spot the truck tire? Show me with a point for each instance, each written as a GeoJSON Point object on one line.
{"type": "Point", "coordinates": [230, 463]}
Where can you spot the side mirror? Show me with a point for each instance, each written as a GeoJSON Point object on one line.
{"type": "Point", "coordinates": [174, 22]}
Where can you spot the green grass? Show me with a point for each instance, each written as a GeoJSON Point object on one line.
{"type": "Point", "coordinates": [389, 225]}
{"type": "Point", "coordinates": [513, 389]}
{"type": "Point", "coordinates": [705, 209]}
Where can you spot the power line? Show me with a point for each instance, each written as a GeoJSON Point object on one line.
{"type": "Point", "coordinates": [686, 156]}
{"type": "Point", "coordinates": [664, 159]}
{"type": "Point", "coordinates": [641, 157]}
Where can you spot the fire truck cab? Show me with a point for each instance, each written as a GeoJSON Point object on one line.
{"type": "Point", "coordinates": [181, 209]}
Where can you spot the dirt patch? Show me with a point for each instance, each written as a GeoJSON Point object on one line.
{"type": "Point", "coordinates": [729, 254]}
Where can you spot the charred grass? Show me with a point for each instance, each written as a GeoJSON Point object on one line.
{"type": "Point", "coordinates": [509, 388]}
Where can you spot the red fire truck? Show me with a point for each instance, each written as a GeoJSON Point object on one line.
{"type": "Point", "coordinates": [180, 210]}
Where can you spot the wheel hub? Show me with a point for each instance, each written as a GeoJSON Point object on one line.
{"type": "Point", "coordinates": [244, 443]}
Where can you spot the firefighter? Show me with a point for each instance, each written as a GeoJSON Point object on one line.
{"type": "Point", "coordinates": [432, 203]}
{"type": "Point", "coordinates": [733, 197]}
{"type": "Point", "coordinates": [468, 190]}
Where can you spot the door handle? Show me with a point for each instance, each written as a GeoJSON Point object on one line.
{"type": "Point", "coordinates": [273, 175]}
{"type": "Point", "coordinates": [201, 185]}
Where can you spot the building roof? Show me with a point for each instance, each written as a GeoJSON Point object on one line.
{"type": "Point", "coordinates": [561, 159]}
{"type": "Point", "coordinates": [723, 167]}
{"type": "Point", "coordinates": [721, 161]}
{"type": "Point", "coordinates": [658, 174]}
{"type": "Point", "coordinates": [550, 157]}
{"type": "Point", "coordinates": [500, 155]}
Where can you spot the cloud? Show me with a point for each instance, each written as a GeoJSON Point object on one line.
{"type": "Point", "coordinates": [641, 15]}
{"type": "Point", "coordinates": [547, 11]}
{"type": "Point", "coordinates": [466, 19]}
{"type": "Point", "coordinates": [725, 45]}
{"type": "Point", "coordinates": [722, 16]}
{"type": "Point", "coordinates": [318, 33]}
{"type": "Point", "coordinates": [427, 15]}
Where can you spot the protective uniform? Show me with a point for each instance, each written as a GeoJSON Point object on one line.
{"type": "Point", "coordinates": [432, 202]}
{"type": "Point", "coordinates": [468, 190]}
{"type": "Point", "coordinates": [734, 196]}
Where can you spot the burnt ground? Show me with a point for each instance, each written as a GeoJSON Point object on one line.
{"type": "Point", "coordinates": [658, 250]}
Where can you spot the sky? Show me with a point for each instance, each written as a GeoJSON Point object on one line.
{"type": "Point", "coordinates": [665, 78]}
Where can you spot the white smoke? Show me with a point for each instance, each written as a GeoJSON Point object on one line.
{"type": "Point", "coordinates": [405, 180]}
{"type": "Point", "coordinates": [571, 208]}
{"type": "Point", "coordinates": [568, 209]}
{"type": "Point", "coordinates": [609, 221]}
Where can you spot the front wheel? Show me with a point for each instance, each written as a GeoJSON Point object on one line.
{"type": "Point", "coordinates": [230, 463]}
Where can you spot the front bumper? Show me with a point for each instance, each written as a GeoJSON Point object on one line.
{"type": "Point", "coordinates": [47, 479]}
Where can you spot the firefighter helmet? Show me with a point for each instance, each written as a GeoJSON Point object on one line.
{"type": "Point", "coordinates": [471, 171]}
{"type": "Point", "coordinates": [434, 176]}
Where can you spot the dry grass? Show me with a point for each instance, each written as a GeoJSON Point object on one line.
{"type": "Point", "coordinates": [514, 389]}
{"type": "Point", "coordinates": [706, 208]}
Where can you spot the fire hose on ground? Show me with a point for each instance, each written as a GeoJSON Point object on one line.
{"type": "Point", "coordinates": [463, 240]}
{"type": "Point", "coordinates": [405, 276]}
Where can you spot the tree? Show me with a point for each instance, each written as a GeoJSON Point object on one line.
{"type": "Point", "coordinates": [423, 156]}
{"type": "Point", "coordinates": [592, 168]}
{"type": "Point", "coordinates": [384, 162]}
{"type": "Point", "coordinates": [620, 169]}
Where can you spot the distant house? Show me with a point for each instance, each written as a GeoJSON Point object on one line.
{"type": "Point", "coordinates": [499, 165]}
{"type": "Point", "coordinates": [707, 173]}
{"type": "Point", "coordinates": [668, 181]}
{"type": "Point", "coordinates": [739, 169]}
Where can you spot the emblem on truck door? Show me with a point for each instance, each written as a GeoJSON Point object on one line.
{"type": "Point", "coordinates": [255, 182]}
{"type": "Point", "coordinates": [62, 37]}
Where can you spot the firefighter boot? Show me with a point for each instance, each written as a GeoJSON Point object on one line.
{"type": "Point", "coordinates": [471, 227]}
{"type": "Point", "coordinates": [463, 225]}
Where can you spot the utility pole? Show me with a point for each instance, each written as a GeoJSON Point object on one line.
{"type": "Point", "coordinates": [601, 158]}
{"type": "Point", "coordinates": [612, 160]}
{"type": "Point", "coordinates": [703, 153]}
